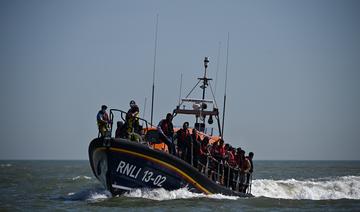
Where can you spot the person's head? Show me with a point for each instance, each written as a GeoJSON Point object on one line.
{"type": "Point", "coordinates": [194, 131]}
{"type": "Point", "coordinates": [119, 124]}
{"type": "Point", "coordinates": [132, 103]}
{"type": "Point", "coordinates": [227, 146]}
{"type": "Point", "coordinates": [242, 153]}
{"type": "Point", "coordinates": [205, 141]}
{"type": "Point", "coordinates": [103, 108]}
{"type": "Point", "coordinates": [185, 125]}
{"type": "Point", "coordinates": [169, 117]}
{"type": "Point", "coordinates": [221, 142]}
{"type": "Point", "coordinates": [251, 155]}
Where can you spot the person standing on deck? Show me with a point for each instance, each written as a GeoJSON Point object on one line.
{"type": "Point", "coordinates": [103, 121]}
{"type": "Point", "coordinates": [195, 141]}
{"type": "Point", "coordinates": [218, 153]}
{"type": "Point", "coordinates": [132, 118]}
{"type": "Point", "coordinates": [166, 132]}
{"type": "Point", "coordinates": [249, 173]}
{"type": "Point", "coordinates": [183, 138]}
{"type": "Point", "coordinates": [205, 148]}
{"type": "Point", "coordinates": [245, 168]}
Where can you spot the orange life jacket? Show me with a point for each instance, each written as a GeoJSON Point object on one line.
{"type": "Point", "coordinates": [160, 146]}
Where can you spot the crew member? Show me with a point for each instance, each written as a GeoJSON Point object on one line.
{"type": "Point", "coordinates": [132, 118]}
{"type": "Point", "coordinates": [103, 122]}
{"type": "Point", "coordinates": [166, 132]}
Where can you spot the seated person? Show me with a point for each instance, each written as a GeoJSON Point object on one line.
{"type": "Point", "coordinates": [121, 130]}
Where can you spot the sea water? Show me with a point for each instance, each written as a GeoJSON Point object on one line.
{"type": "Point", "coordinates": [277, 186]}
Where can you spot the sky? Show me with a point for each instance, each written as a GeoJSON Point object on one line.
{"type": "Point", "coordinates": [293, 86]}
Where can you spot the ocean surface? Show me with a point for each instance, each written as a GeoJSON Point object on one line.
{"type": "Point", "coordinates": [277, 186]}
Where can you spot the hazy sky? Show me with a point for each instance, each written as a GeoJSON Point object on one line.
{"type": "Point", "coordinates": [293, 74]}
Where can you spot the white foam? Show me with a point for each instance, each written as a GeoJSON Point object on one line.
{"type": "Point", "coordinates": [6, 165]}
{"type": "Point", "coordinates": [161, 194]}
{"type": "Point", "coordinates": [88, 195]}
{"type": "Point", "coordinates": [96, 197]}
{"type": "Point", "coordinates": [346, 187]}
{"type": "Point", "coordinates": [81, 178]}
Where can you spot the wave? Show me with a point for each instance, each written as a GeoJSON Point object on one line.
{"type": "Point", "coordinates": [161, 194]}
{"type": "Point", "coordinates": [5, 165]}
{"type": "Point", "coordinates": [345, 187]}
{"type": "Point", "coordinates": [81, 178]}
{"type": "Point", "coordinates": [88, 195]}
{"type": "Point", "coordinates": [95, 197]}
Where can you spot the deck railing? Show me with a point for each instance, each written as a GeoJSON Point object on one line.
{"type": "Point", "coordinates": [223, 173]}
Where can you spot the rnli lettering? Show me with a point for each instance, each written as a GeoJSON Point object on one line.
{"type": "Point", "coordinates": [128, 169]}
{"type": "Point", "coordinates": [146, 176]}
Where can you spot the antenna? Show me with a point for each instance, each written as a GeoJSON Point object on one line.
{"type": "Point", "coordinates": [144, 108]}
{"type": "Point", "coordinates": [226, 71]}
{"type": "Point", "coordinates": [153, 85]}
{"type": "Point", "coordinates": [181, 77]}
{"type": "Point", "coordinates": [217, 67]}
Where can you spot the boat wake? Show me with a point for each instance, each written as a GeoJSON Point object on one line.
{"type": "Point", "coordinates": [161, 194]}
{"type": "Point", "coordinates": [5, 165]}
{"type": "Point", "coordinates": [81, 177]}
{"type": "Point", "coordinates": [90, 195]}
{"type": "Point", "coordinates": [345, 187]}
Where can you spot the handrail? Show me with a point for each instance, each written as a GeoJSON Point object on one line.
{"type": "Point", "coordinates": [238, 180]}
{"type": "Point", "coordinates": [147, 124]}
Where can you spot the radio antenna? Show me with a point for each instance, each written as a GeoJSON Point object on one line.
{"type": "Point", "coordinates": [144, 108]}
{"type": "Point", "coordinates": [181, 77]}
{"type": "Point", "coordinates": [226, 71]}
{"type": "Point", "coordinates": [217, 66]}
{"type": "Point", "coordinates": [153, 85]}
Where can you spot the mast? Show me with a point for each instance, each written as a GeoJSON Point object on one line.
{"type": "Point", "coordinates": [204, 86]}
{"type": "Point", "coordinates": [153, 85]}
{"type": "Point", "coordinates": [200, 107]}
{"type": "Point", "coordinates": [205, 83]}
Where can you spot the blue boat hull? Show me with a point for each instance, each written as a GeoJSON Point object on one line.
{"type": "Point", "coordinates": [122, 165]}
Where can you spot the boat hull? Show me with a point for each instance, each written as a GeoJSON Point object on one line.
{"type": "Point", "coordinates": [122, 165]}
